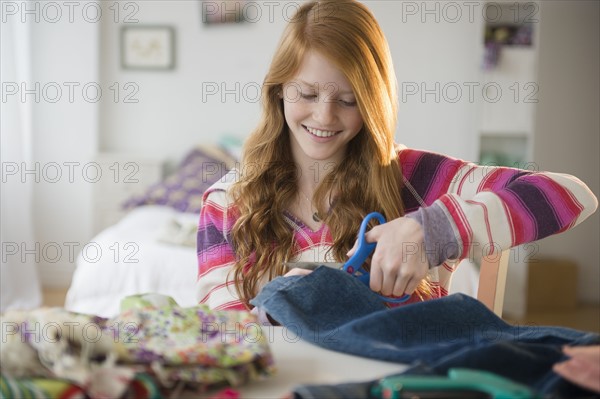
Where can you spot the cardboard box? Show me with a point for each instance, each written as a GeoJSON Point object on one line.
{"type": "Point", "coordinates": [551, 285]}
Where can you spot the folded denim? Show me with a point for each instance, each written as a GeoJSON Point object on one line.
{"type": "Point", "coordinates": [334, 310]}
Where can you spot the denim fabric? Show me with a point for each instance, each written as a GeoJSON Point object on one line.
{"type": "Point", "coordinates": [334, 310]}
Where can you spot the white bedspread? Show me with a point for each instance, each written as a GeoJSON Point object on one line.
{"type": "Point", "coordinates": [134, 260]}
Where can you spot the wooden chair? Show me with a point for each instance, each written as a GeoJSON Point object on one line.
{"type": "Point", "coordinates": [492, 281]}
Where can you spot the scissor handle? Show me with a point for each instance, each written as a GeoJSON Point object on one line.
{"type": "Point", "coordinates": [364, 250]}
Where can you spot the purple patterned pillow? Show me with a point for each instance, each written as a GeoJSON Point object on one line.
{"type": "Point", "coordinates": [183, 189]}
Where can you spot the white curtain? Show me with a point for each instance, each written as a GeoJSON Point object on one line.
{"type": "Point", "coordinates": [20, 287]}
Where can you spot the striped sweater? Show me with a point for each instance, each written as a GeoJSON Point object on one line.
{"type": "Point", "coordinates": [466, 210]}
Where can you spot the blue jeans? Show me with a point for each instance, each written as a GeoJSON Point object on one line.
{"type": "Point", "coordinates": [334, 310]}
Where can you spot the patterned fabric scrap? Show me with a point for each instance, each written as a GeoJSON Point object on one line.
{"type": "Point", "coordinates": [195, 345]}
{"type": "Point", "coordinates": [152, 348]}
{"type": "Point", "coordinates": [141, 387]}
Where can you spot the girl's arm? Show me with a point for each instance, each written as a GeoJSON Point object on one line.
{"type": "Point", "coordinates": [215, 253]}
{"type": "Point", "coordinates": [468, 210]}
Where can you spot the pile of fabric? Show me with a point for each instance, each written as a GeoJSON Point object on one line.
{"type": "Point", "coordinates": [153, 348]}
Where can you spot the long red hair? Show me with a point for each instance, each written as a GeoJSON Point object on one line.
{"type": "Point", "coordinates": [369, 177]}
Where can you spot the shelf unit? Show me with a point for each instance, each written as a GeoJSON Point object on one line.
{"type": "Point", "coordinates": [508, 109]}
{"type": "Point", "coordinates": [506, 127]}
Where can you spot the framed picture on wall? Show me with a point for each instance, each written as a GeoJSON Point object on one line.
{"type": "Point", "coordinates": [149, 47]}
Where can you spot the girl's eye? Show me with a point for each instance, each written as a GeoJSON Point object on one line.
{"type": "Point", "coordinates": [348, 103]}
{"type": "Point", "coordinates": [308, 96]}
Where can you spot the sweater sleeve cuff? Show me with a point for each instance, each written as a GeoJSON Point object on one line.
{"type": "Point", "coordinates": [440, 242]}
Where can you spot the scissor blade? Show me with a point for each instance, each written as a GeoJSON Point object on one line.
{"type": "Point", "coordinates": [312, 265]}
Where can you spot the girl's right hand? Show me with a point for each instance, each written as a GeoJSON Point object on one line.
{"type": "Point", "coordinates": [399, 262]}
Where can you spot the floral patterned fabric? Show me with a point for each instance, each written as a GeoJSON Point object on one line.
{"type": "Point", "coordinates": [153, 346]}
{"type": "Point", "coordinates": [141, 387]}
{"type": "Point", "coordinates": [222, 346]}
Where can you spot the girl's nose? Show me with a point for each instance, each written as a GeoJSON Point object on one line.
{"type": "Point", "coordinates": [324, 112]}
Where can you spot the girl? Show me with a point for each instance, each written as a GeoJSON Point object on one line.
{"type": "Point", "coordinates": [323, 156]}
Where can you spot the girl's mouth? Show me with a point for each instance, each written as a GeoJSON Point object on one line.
{"type": "Point", "coordinates": [320, 133]}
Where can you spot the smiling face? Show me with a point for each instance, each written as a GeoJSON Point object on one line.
{"type": "Point", "coordinates": [320, 111]}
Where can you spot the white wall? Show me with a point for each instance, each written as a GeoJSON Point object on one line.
{"type": "Point", "coordinates": [65, 131]}
{"type": "Point", "coordinates": [172, 114]}
{"type": "Point", "coordinates": [437, 53]}
{"type": "Point", "coordinates": [567, 133]}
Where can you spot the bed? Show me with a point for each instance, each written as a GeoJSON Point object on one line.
{"type": "Point", "coordinates": [152, 249]}
{"type": "Point", "coordinates": [156, 243]}
{"type": "Point", "coordinates": [146, 263]}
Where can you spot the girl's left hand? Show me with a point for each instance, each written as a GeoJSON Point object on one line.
{"type": "Point", "coordinates": [296, 271]}
{"type": "Point", "coordinates": [399, 262]}
{"type": "Point", "coordinates": [582, 367]}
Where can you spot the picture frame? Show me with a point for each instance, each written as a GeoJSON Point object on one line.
{"type": "Point", "coordinates": [148, 47]}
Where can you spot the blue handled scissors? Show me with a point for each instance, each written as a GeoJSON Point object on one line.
{"type": "Point", "coordinates": [354, 265]}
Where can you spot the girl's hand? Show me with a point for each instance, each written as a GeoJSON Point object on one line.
{"type": "Point", "coordinates": [583, 367]}
{"type": "Point", "coordinates": [296, 271]}
{"type": "Point", "coordinates": [399, 262]}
